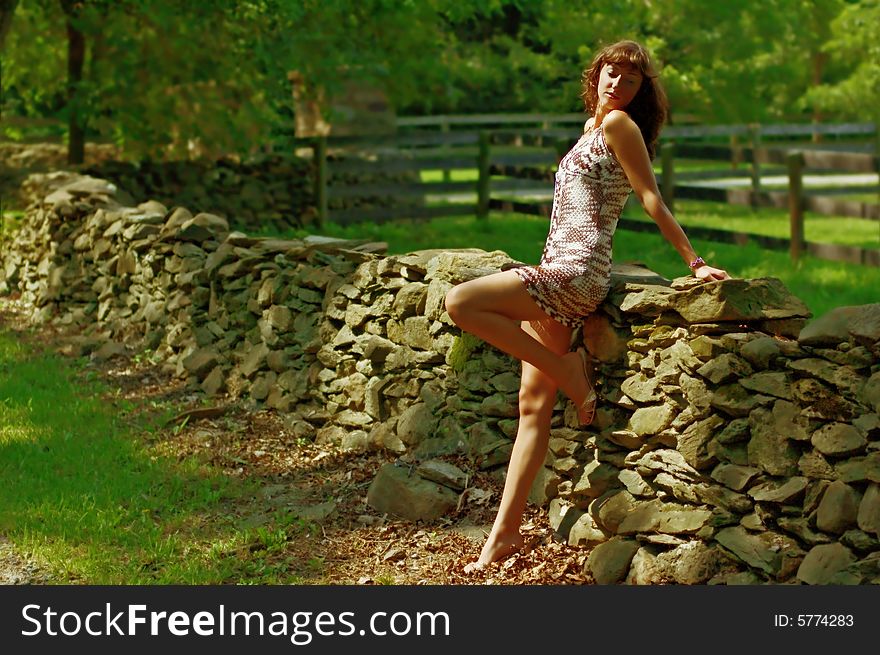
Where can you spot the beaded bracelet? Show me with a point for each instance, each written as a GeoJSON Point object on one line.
{"type": "Point", "coordinates": [696, 263]}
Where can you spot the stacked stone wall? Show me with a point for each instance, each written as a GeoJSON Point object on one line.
{"type": "Point", "coordinates": [261, 193]}
{"type": "Point", "coordinates": [735, 441]}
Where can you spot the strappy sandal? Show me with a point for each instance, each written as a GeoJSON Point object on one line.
{"type": "Point", "coordinates": [589, 404]}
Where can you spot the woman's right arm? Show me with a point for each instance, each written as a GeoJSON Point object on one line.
{"type": "Point", "coordinates": [628, 145]}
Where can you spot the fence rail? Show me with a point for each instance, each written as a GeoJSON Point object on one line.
{"type": "Point", "coordinates": [817, 201]}
{"type": "Point", "coordinates": [527, 156]}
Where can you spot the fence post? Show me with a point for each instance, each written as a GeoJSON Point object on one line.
{"type": "Point", "coordinates": [795, 163]}
{"type": "Point", "coordinates": [735, 152]}
{"type": "Point", "coordinates": [483, 180]}
{"type": "Point", "coordinates": [319, 155]}
{"type": "Point", "coordinates": [877, 161]}
{"type": "Point", "coordinates": [755, 138]}
{"type": "Point", "coordinates": [877, 135]}
{"type": "Point", "coordinates": [667, 152]}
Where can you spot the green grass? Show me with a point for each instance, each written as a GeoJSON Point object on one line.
{"type": "Point", "coordinates": [774, 222]}
{"type": "Point", "coordinates": [863, 197]}
{"type": "Point", "coordinates": [85, 494]}
{"type": "Point", "coordinates": [464, 175]}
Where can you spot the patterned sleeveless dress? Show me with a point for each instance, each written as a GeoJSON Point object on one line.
{"type": "Point", "coordinates": [588, 197]}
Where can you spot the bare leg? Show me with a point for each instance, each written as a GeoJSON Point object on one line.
{"type": "Point", "coordinates": [537, 395]}
{"type": "Point", "coordinates": [493, 307]}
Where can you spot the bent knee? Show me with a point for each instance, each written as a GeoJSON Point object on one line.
{"type": "Point", "coordinates": [456, 303]}
{"type": "Point", "coordinates": [536, 399]}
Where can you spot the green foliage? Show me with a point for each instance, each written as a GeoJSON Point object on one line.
{"type": "Point", "coordinates": [855, 48]}
{"type": "Point", "coordinates": [169, 77]}
{"type": "Point", "coordinates": [164, 77]}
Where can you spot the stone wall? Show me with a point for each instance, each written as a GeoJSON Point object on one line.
{"type": "Point", "coordinates": [731, 445]}
{"type": "Point", "coordinates": [19, 160]}
{"type": "Point", "coordinates": [271, 192]}
{"type": "Point", "coordinates": [262, 193]}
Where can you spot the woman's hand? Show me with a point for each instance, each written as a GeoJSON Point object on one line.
{"type": "Point", "coordinates": [707, 273]}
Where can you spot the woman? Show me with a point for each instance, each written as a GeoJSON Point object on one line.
{"type": "Point", "coordinates": [530, 312]}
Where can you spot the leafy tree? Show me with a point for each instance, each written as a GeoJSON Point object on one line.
{"type": "Point", "coordinates": [159, 76]}
{"type": "Point", "coordinates": [854, 48]}
{"type": "Point", "coordinates": [739, 61]}
{"type": "Point", "coordinates": [7, 10]}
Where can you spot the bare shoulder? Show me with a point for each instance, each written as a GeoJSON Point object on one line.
{"type": "Point", "coordinates": [621, 131]}
{"type": "Point", "coordinates": [618, 122]}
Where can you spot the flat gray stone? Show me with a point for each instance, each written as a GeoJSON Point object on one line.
{"type": "Point", "coordinates": [443, 473]}
{"type": "Point", "coordinates": [611, 508]}
{"type": "Point", "coordinates": [845, 378]}
{"type": "Point", "coordinates": [693, 442]}
{"type": "Point", "coordinates": [860, 469]}
{"type": "Point", "coordinates": [869, 394]}
{"type": "Point", "coordinates": [596, 479]}
{"type": "Point", "coordinates": [838, 510]}
{"type": "Point", "coordinates": [395, 491]}
{"type": "Point", "coordinates": [735, 401]}
{"type": "Point", "coordinates": [774, 383]}
{"type": "Point", "coordinates": [869, 510]}
{"type": "Point", "coordinates": [838, 439]}
{"type": "Point", "coordinates": [646, 421]}
{"type": "Point", "coordinates": [813, 465]}
{"type": "Point", "coordinates": [417, 423]}
{"type": "Point", "coordinates": [642, 389]}
{"type": "Point", "coordinates": [735, 477]}
{"type": "Point", "coordinates": [841, 323]}
{"type": "Point", "coordinates": [788, 420]}
{"type": "Point", "coordinates": [609, 562]}
{"type": "Point", "coordinates": [735, 431]}
{"type": "Point", "coordinates": [774, 554]}
{"type": "Point", "coordinates": [738, 300]}
{"type": "Point", "coordinates": [585, 533]}
{"type": "Point", "coordinates": [784, 493]}
{"type": "Point", "coordinates": [823, 562]}
{"type": "Point", "coordinates": [760, 352]}
{"type": "Point", "coordinates": [724, 368]}
{"type": "Point", "coordinates": [769, 449]}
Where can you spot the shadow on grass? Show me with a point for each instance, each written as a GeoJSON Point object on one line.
{"type": "Point", "coordinates": [85, 495]}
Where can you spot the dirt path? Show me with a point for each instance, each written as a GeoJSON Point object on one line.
{"type": "Point", "coordinates": [17, 569]}
{"type": "Point", "coordinates": [353, 544]}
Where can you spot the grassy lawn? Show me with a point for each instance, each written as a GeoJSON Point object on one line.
{"type": "Point", "coordinates": [773, 222]}
{"type": "Point", "coordinates": [86, 491]}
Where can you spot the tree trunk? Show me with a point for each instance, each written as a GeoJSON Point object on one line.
{"type": "Point", "coordinates": [7, 10]}
{"type": "Point", "coordinates": [76, 54]}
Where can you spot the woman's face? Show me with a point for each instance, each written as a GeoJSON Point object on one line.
{"type": "Point", "coordinates": [618, 85]}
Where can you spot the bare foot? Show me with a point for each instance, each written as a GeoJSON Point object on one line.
{"type": "Point", "coordinates": [497, 547]}
{"type": "Point", "coordinates": [578, 387]}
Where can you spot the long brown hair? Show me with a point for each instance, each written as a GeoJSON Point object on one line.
{"type": "Point", "coordinates": [649, 107]}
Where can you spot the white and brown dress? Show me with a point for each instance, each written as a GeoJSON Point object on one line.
{"type": "Point", "coordinates": [575, 270]}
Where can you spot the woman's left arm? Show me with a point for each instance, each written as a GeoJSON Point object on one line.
{"type": "Point", "coordinates": [624, 138]}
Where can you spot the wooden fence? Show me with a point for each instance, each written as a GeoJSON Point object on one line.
{"type": "Point", "coordinates": [525, 149]}
{"type": "Point", "coordinates": [753, 134]}
{"type": "Point", "coordinates": [795, 197]}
